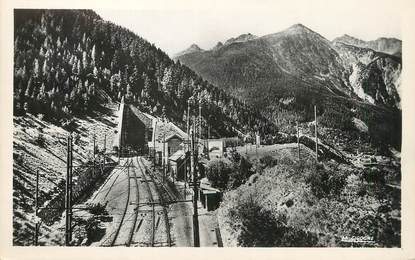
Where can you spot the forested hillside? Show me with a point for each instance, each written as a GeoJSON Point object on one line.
{"type": "Point", "coordinates": [67, 61]}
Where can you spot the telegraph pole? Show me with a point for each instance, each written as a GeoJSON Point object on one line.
{"type": "Point", "coordinates": [193, 162]}
{"type": "Point", "coordinates": [186, 172]}
{"type": "Point", "coordinates": [68, 193]}
{"type": "Point", "coordinates": [256, 143]}
{"type": "Point", "coordinates": [37, 208]}
{"type": "Point", "coordinates": [93, 157]}
{"type": "Point", "coordinates": [194, 133]}
{"type": "Point", "coordinates": [154, 144]}
{"type": "Point", "coordinates": [298, 142]}
{"type": "Point", "coordinates": [105, 143]}
{"type": "Point", "coordinates": [164, 156]}
{"type": "Point", "coordinates": [208, 136]}
{"type": "Point", "coordinates": [315, 128]}
{"type": "Point", "coordinates": [200, 122]}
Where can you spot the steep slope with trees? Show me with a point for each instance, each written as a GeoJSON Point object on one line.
{"type": "Point", "coordinates": [70, 70]}
{"type": "Point", "coordinates": [66, 62]}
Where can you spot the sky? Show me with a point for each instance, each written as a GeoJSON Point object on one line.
{"type": "Point", "coordinates": [175, 28]}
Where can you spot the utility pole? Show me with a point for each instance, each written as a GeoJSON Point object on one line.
{"type": "Point", "coordinates": [298, 142]}
{"type": "Point", "coordinates": [257, 143]}
{"type": "Point", "coordinates": [194, 133]}
{"type": "Point", "coordinates": [164, 156]}
{"type": "Point", "coordinates": [315, 128]}
{"type": "Point", "coordinates": [105, 143]}
{"type": "Point", "coordinates": [154, 144]}
{"type": "Point", "coordinates": [105, 150]}
{"type": "Point", "coordinates": [200, 122]}
{"type": "Point", "coordinates": [193, 162]}
{"type": "Point", "coordinates": [37, 208]}
{"type": "Point", "coordinates": [208, 136]}
{"type": "Point", "coordinates": [188, 125]}
{"type": "Point", "coordinates": [186, 172]}
{"type": "Point", "coordinates": [93, 157]}
{"type": "Point", "coordinates": [68, 193]}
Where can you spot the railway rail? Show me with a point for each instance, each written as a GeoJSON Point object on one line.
{"type": "Point", "coordinates": [162, 201]}
{"type": "Point", "coordinates": [114, 239]}
{"type": "Point", "coordinates": [151, 200]}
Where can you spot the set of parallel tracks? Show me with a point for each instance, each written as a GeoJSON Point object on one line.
{"type": "Point", "coordinates": [131, 235]}
{"type": "Point", "coordinates": [117, 232]}
{"type": "Point", "coordinates": [161, 200]}
{"type": "Point", "coordinates": [151, 200]}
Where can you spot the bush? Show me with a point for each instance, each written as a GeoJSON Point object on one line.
{"type": "Point", "coordinates": [242, 171]}
{"type": "Point", "coordinates": [268, 161]}
{"type": "Point", "coordinates": [324, 183]}
{"type": "Point", "coordinates": [218, 172]}
{"type": "Point", "coordinates": [40, 140]}
{"type": "Point", "coordinates": [98, 209]}
{"type": "Point", "coordinates": [93, 230]}
{"type": "Point", "coordinates": [260, 228]}
{"type": "Point", "coordinates": [373, 175]}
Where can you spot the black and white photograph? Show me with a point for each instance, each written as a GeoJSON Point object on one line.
{"type": "Point", "coordinates": [189, 127]}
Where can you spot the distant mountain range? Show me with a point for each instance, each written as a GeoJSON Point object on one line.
{"type": "Point", "coordinates": [264, 70]}
{"type": "Point", "coordinates": [391, 46]}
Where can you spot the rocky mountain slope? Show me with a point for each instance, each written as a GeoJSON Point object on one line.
{"type": "Point", "coordinates": [296, 58]}
{"type": "Point", "coordinates": [193, 48]}
{"type": "Point", "coordinates": [390, 46]}
{"type": "Point", "coordinates": [374, 76]}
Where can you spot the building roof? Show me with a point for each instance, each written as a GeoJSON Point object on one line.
{"type": "Point", "coordinates": [177, 155]}
{"type": "Point", "coordinates": [205, 185]}
{"type": "Point", "coordinates": [174, 135]}
{"type": "Point", "coordinates": [145, 118]}
{"type": "Point", "coordinates": [166, 130]}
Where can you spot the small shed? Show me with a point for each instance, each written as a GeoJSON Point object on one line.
{"type": "Point", "coordinates": [209, 196]}
{"type": "Point", "coordinates": [176, 165]}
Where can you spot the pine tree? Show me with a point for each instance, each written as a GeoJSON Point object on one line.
{"type": "Point", "coordinates": [79, 68]}
{"type": "Point", "coordinates": [85, 64]}
{"type": "Point", "coordinates": [167, 81]}
{"type": "Point", "coordinates": [94, 56]}
{"type": "Point", "coordinates": [36, 69]}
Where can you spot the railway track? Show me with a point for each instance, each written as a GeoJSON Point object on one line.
{"type": "Point", "coordinates": [162, 201]}
{"type": "Point", "coordinates": [129, 222]}
{"type": "Point", "coordinates": [151, 200]}
{"type": "Point", "coordinates": [119, 171]}
{"type": "Point", "coordinates": [131, 235]}
{"type": "Point", "coordinates": [114, 239]}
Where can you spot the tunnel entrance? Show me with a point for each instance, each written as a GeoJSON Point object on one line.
{"type": "Point", "coordinates": [137, 130]}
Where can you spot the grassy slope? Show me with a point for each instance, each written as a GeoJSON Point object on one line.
{"type": "Point", "coordinates": [50, 160]}
{"type": "Point", "coordinates": [362, 208]}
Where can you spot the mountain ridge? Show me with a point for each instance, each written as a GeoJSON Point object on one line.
{"type": "Point", "coordinates": [388, 45]}
{"type": "Point", "coordinates": [297, 52]}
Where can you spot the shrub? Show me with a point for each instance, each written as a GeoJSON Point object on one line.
{"type": "Point", "coordinates": [240, 174]}
{"type": "Point", "coordinates": [268, 161]}
{"type": "Point", "coordinates": [324, 183]}
{"type": "Point", "coordinates": [98, 209]}
{"type": "Point", "coordinates": [218, 171]}
{"type": "Point", "coordinates": [93, 230]}
{"type": "Point", "coordinates": [259, 227]}
{"type": "Point", "coordinates": [373, 175]}
{"type": "Point", "coordinates": [40, 140]}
